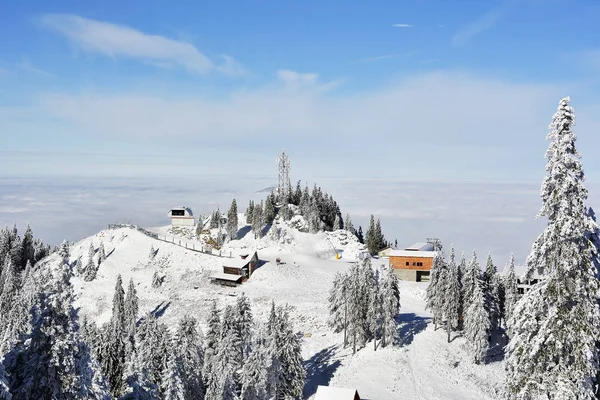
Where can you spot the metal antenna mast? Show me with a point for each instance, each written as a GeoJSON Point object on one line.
{"type": "Point", "coordinates": [283, 183]}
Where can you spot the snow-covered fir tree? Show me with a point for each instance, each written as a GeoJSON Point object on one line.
{"type": "Point", "coordinates": [338, 305]}
{"type": "Point", "coordinates": [250, 212]}
{"type": "Point", "coordinates": [555, 326]}
{"type": "Point", "coordinates": [188, 346]}
{"type": "Point", "coordinates": [63, 251]}
{"type": "Point", "coordinates": [337, 223]}
{"type": "Point", "coordinates": [101, 253]}
{"type": "Point", "coordinates": [348, 224]}
{"type": "Point", "coordinates": [211, 342]}
{"type": "Point", "coordinates": [390, 298]}
{"type": "Point", "coordinates": [511, 291]}
{"type": "Point", "coordinates": [91, 269]}
{"type": "Point", "coordinates": [375, 311]}
{"type": "Point", "coordinates": [471, 279]}
{"type": "Point", "coordinates": [435, 289]}
{"type": "Point", "coordinates": [232, 221]}
{"type": "Point", "coordinates": [491, 293]}
{"type": "Point", "coordinates": [79, 266]}
{"type": "Point", "coordinates": [257, 221]}
{"type": "Point", "coordinates": [156, 280]}
{"type": "Point", "coordinates": [244, 322]}
{"type": "Point", "coordinates": [152, 253]}
{"type": "Point", "coordinates": [173, 388]}
{"type": "Point", "coordinates": [371, 237]}
{"type": "Point", "coordinates": [153, 345]}
{"type": "Point", "coordinates": [269, 210]}
{"type": "Point", "coordinates": [112, 348]}
{"type": "Point", "coordinates": [477, 324]}
{"type": "Point", "coordinates": [9, 290]}
{"type": "Point", "coordinates": [451, 301]}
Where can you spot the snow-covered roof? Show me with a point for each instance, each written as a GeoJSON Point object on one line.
{"type": "Point", "coordinates": [334, 393]}
{"type": "Point", "coordinates": [520, 271]}
{"type": "Point", "coordinates": [420, 247]}
{"type": "Point", "coordinates": [412, 253]}
{"type": "Point", "coordinates": [226, 277]}
{"type": "Point", "coordinates": [187, 210]}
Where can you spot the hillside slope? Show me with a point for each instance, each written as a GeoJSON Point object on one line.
{"type": "Point", "coordinates": [421, 366]}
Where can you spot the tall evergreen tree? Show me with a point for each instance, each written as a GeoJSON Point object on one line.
{"type": "Point", "coordinates": [190, 354]}
{"type": "Point", "coordinates": [257, 221]}
{"type": "Point", "coordinates": [338, 305]}
{"type": "Point", "coordinates": [348, 225]}
{"type": "Point", "coordinates": [244, 320]}
{"type": "Point", "coordinates": [390, 297]}
{"type": "Point", "coordinates": [113, 347]}
{"type": "Point", "coordinates": [477, 324]}
{"type": "Point", "coordinates": [359, 235]}
{"type": "Point", "coordinates": [173, 388]}
{"type": "Point", "coordinates": [490, 293]}
{"type": "Point", "coordinates": [101, 253]}
{"type": "Point", "coordinates": [450, 303]}
{"type": "Point", "coordinates": [27, 248]}
{"type": "Point", "coordinates": [250, 212]}
{"type": "Point", "coordinates": [556, 324]}
{"type": "Point", "coordinates": [232, 221]}
{"type": "Point", "coordinates": [269, 211]}
{"type": "Point", "coordinates": [211, 342]}
{"type": "Point", "coordinates": [510, 285]}
{"type": "Point", "coordinates": [435, 289]}
{"type": "Point", "coordinates": [371, 238]}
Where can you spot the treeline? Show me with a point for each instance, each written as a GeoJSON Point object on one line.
{"type": "Point", "coordinates": [464, 298]}
{"type": "Point", "coordinates": [363, 305]}
{"type": "Point", "coordinates": [47, 354]}
{"type": "Point", "coordinates": [20, 250]}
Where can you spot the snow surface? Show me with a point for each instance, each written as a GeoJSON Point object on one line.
{"type": "Point", "coordinates": [422, 365]}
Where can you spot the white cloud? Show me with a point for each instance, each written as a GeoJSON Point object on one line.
{"type": "Point", "coordinates": [402, 26]}
{"type": "Point", "coordinates": [384, 57]}
{"type": "Point", "coordinates": [115, 40]}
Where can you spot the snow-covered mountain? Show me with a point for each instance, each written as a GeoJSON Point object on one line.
{"type": "Point", "coordinates": [421, 366]}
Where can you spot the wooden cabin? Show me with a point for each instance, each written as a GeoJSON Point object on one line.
{"type": "Point", "coordinates": [335, 393]}
{"type": "Point", "coordinates": [414, 262]}
{"type": "Point", "coordinates": [238, 270]}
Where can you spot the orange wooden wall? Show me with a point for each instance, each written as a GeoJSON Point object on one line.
{"type": "Point", "coordinates": [400, 262]}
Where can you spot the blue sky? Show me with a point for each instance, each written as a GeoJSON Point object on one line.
{"type": "Point", "coordinates": [415, 90]}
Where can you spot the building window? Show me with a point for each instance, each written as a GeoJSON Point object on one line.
{"type": "Point", "coordinates": [407, 263]}
{"type": "Point", "coordinates": [419, 264]}
{"type": "Point", "coordinates": [177, 213]}
{"type": "Point", "coordinates": [414, 263]}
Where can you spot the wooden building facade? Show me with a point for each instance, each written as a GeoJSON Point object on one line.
{"type": "Point", "coordinates": [238, 270]}
{"type": "Point", "coordinates": [413, 263]}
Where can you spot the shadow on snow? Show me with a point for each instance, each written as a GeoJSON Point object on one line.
{"type": "Point", "coordinates": [319, 370]}
{"type": "Point", "coordinates": [409, 324]}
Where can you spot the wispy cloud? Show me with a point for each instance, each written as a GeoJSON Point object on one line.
{"type": "Point", "coordinates": [384, 57]}
{"type": "Point", "coordinates": [402, 26]}
{"type": "Point", "coordinates": [115, 40]}
{"type": "Point", "coordinates": [481, 24]}
{"type": "Point", "coordinates": [26, 66]}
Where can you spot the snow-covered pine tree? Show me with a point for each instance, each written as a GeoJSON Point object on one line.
{"type": "Point", "coordinates": [156, 280]}
{"type": "Point", "coordinates": [153, 347]}
{"type": "Point", "coordinates": [289, 354]}
{"type": "Point", "coordinates": [211, 342]}
{"type": "Point", "coordinates": [257, 221]}
{"type": "Point", "coordinates": [113, 347]}
{"type": "Point", "coordinates": [269, 210]}
{"type": "Point", "coordinates": [131, 306]}
{"type": "Point", "coordinates": [338, 305]}
{"type": "Point", "coordinates": [314, 218]}
{"type": "Point", "coordinates": [27, 248]}
{"type": "Point", "coordinates": [232, 221]}
{"type": "Point", "coordinates": [152, 253]}
{"type": "Point", "coordinates": [64, 251]}
{"type": "Point", "coordinates": [477, 324]}
{"type": "Point", "coordinates": [244, 322]}
{"type": "Point", "coordinates": [229, 349]}
{"type": "Point", "coordinates": [89, 273]}
{"type": "Point", "coordinates": [348, 225]}
{"type": "Point", "coordinates": [374, 312]}
{"type": "Point", "coordinates": [555, 326]}
{"type": "Point", "coordinates": [250, 212]}
{"type": "Point", "coordinates": [191, 356]}
{"type": "Point", "coordinates": [101, 253]}
{"type": "Point", "coordinates": [254, 376]}
{"type": "Point", "coordinates": [371, 237]}
{"type": "Point", "coordinates": [79, 266]}
{"type": "Point", "coordinates": [139, 386]}
{"type": "Point", "coordinates": [379, 238]}
{"type": "Point", "coordinates": [490, 293]}
{"type": "Point", "coordinates": [511, 292]}
{"type": "Point", "coordinates": [173, 388]}
{"type": "Point", "coordinates": [435, 289]}
{"type": "Point", "coordinates": [450, 303]}
{"type": "Point", "coordinates": [390, 298]}
{"type": "Point", "coordinates": [337, 223]}
{"type": "Point", "coordinates": [471, 279]}
{"type": "Point", "coordinates": [8, 291]}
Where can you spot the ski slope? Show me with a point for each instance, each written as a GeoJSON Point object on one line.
{"type": "Point", "coordinates": [422, 365]}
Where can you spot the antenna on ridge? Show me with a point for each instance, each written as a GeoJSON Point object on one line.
{"type": "Point", "coordinates": [284, 186]}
